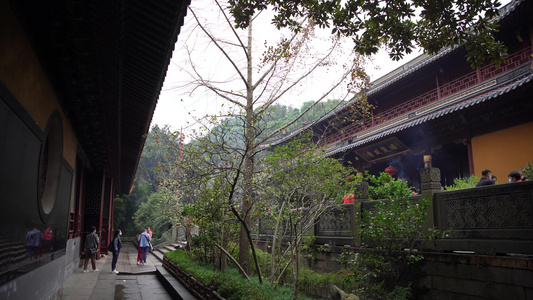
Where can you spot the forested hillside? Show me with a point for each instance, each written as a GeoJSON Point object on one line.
{"type": "Point", "coordinates": [144, 206]}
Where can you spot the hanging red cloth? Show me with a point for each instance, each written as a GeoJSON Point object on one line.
{"type": "Point", "coordinates": [348, 198]}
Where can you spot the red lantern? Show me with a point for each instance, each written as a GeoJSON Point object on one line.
{"type": "Point", "coordinates": [391, 170]}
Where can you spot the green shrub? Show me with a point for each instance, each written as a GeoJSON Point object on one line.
{"type": "Point", "coordinates": [528, 170]}
{"type": "Point", "coordinates": [391, 234]}
{"type": "Point", "coordinates": [463, 183]}
{"type": "Point", "coordinates": [313, 283]}
{"type": "Point", "coordinates": [385, 186]}
{"type": "Point", "coordinates": [229, 284]}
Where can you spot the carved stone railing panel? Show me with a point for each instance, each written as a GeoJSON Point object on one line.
{"type": "Point", "coordinates": [336, 227]}
{"type": "Point", "coordinates": [336, 222]}
{"type": "Point", "coordinates": [266, 226]}
{"type": "Point", "coordinates": [494, 219]}
{"type": "Point", "coordinates": [500, 211]}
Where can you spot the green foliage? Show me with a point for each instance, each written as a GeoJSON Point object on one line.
{"type": "Point", "coordinates": [385, 186]}
{"type": "Point", "coordinates": [131, 204]}
{"type": "Point", "coordinates": [301, 183]}
{"type": "Point", "coordinates": [142, 207]}
{"type": "Point", "coordinates": [229, 284]}
{"type": "Point", "coordinates": [528, 170]}
{"type": "Point", "coordinates": [391, 233]}
{"type": "Point", "coordinates": [161, 150]}
{"type": "Point", "coordinates": [463, 183]}
{"type": "Point", "coordinates": [119, 215]}
{"type": "Point", "coordinates": [149, 215]}
{"type": "Point", "coordinates": [275, 117]}
{"type": "Point", "coordinates": [307, 244]}
{"type": "Point", "coordinates": [311, 283]}
{"type": "Point", "coordinates": [315, 112]}
{"type": "Point", "coordinates": [314, 284]}
{"type": "Point", "coordinates": [431, 25]}
{"type": "Point", "coordinates": [211, 214]}
{"type": "Point", "coordinates": [395, 224]}
{"type": "Point", "coordinates": [300, 174]}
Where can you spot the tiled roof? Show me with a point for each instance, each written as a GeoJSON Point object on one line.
{"type": "Point", "coordinates": [106, 61]}
{"type": "Point", "coordinates": [452, 106]}
{"type": "Point", "coordinates": [393, 77]}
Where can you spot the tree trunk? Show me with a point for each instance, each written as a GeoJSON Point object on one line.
{"type": "Point", "coordinates": [274, 245]}
{"type": "Point", "coordinates": [222, 259]}
{"type": "Point", "coordinates": [244, 244]}
{"type": "Point", "coordinates": [296, 259]}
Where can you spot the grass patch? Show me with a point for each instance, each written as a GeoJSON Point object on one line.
{"type": "Point", "coordinates": [229, 284]}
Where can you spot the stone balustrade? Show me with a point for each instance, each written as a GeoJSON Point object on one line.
{"type": "Point", "coordinates": [494, 219]}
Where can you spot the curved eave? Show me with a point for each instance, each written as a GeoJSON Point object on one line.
{"type": "Point", "coordinates": [454, 106]}
{"type": "Point", "coordinates": [402, 73]}
{"type": "Point", "coordinates": [106, 61]}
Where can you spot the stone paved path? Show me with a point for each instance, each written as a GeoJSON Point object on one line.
{"type": "Point", "coordinates": [133, 281]}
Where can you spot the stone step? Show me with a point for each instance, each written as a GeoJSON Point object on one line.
{"type": "Point", "coordinates": [158, 255]}
{"type": "Point", "coordinates": [175, 289]}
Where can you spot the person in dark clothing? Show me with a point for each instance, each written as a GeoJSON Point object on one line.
{"type": "Point", "coordinates": [91, 248]}
{"type": "Point", "coordinates": [117, 245]}
{"type": "Point", "coordinates": [515, 176]}
{"type": "Point", "coordinates": [486, 178]}
{"type": "Point", "coordinates": [34, 239]}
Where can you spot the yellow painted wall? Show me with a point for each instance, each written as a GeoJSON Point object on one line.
{"type": "Point", "coordinates": [22, 74]}
{"type": "Point", "coordinates": [503, 151]}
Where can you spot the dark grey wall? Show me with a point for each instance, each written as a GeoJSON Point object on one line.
{"type": "Point", "coordinates": [21, 182]}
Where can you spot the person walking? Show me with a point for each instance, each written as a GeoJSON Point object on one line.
{"type": "Point", "coordinates": [91, 248]}
{"type": "Point", "coordinates": [144, 242]}
{"type": "Point", "coordinates": [117, 245]}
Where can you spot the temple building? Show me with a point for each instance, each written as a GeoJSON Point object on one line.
{"type": "Point", "coordinates": [79, 81]}
{"type": "Point", "coordinates": [464, 120]}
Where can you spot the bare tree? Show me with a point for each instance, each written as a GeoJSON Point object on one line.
{"type": "Point", "coordinates": [251, 83]}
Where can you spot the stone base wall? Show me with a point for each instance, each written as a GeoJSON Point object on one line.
{"type": "Point", "coordinates": [462, 276]}
{"type": "Point", "coordinates": [451, 275]}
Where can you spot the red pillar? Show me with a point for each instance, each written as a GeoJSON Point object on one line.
{"type": "Point", "coordinates": [101, 234]}
{"type": "Point", "coordinates": [470, 156]}
{"type": "Point", "coordinates": [109, 220]}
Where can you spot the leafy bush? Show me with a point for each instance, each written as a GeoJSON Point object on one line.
{"type": "Point", "coordinates": [314, 284]}
{"type": "Point", "coordinates": [463, 183]}
{"type": "Point", "coordinates": [229, 284]}
{"type": "Point", "coordinates": [528, 170]}
{"type": "Point", "coordinates": [391, 233]}
{"type": "Point", "coordinates": [385, 186]}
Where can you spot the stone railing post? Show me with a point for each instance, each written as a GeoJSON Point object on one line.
{"type": "Point", "coordinates": [360, 195]}
{"type": "Point", "coordinates": [430, 184]}
{"type": "Point", "coordinates": [174, 237]}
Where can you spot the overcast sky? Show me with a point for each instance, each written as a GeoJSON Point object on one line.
{"type": "Point", "coordinates": [175, 106]}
